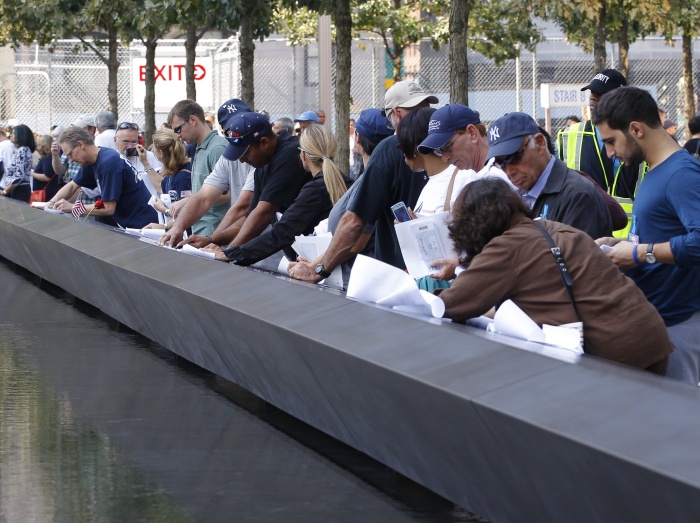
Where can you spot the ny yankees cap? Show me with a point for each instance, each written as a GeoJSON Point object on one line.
{"type": "Point", "coordinates": [229, 109]}
{"type": "Point", "coordinates": [443, 124]}
{"type": "Point", "coordinates": [506, 134]}
{"type": "Point", "coordinates": [606, 81]}
{"type": "Point", "coordinates": [246, 129]}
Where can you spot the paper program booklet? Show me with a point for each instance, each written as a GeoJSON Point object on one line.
{"type": "Point", "coordinates": [424, 240]}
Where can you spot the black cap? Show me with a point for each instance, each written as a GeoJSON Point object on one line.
{"type": "Point", "coordinates": [606, 81]}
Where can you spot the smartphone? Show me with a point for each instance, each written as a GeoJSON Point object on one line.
{"type": "Point", "coordinates": [400, 212]}
{"type": "Point", "coordinates": [131, 151]}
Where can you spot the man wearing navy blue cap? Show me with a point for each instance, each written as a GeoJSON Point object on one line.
{"type": "Point", "coordinates": [278, 176]}
{"type": "Point", "coordinates": [230, 182]}
{"type": "Point", "coordinates": [456, 134]}
{"type": "Point", "coordinates": [306, 119]}
{"type": "Point", "coordinates": [546, 185]}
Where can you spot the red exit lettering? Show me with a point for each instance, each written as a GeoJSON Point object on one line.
{"type": "Point", "coordinates": [169, 73]}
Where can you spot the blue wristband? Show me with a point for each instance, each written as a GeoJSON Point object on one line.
{"type": "Point", "coordinates": [634, 254]}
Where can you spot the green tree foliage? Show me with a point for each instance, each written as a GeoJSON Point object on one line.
{"type": "Point", "coordinates": [195, 18]}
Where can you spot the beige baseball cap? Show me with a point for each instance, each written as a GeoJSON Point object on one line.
{"type": "Point", "coordinates": [406, 93]}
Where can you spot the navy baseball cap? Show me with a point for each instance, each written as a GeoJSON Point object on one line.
{"type": "Point", "coordinates": [307, 116]}
{"type": "Point", "coordinates": [373, 126]}
{"type": "Point", "coordinates": [246, 130]}
{"type": "Point", "coordinates": [443, 124]}
{"type": "Point", "coordinates": [229, 109]}
{"type": "Point", "coordinates": [606, 81]}
{"type": "Point", "coordinates": [506, 134]}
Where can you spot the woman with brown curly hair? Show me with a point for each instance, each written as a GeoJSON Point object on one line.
{"type": "Point", "coordinates": [509, 257]}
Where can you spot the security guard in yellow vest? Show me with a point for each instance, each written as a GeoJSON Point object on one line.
{"type": "Point", "coordinates": [581, 148]}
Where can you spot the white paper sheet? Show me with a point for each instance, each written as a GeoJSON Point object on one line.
{"type": "Point", "coordinates": [377, 282]}
{"type": "Point", "coordinates": [310, 248]}
{"type": "Point", "coordinates": [510, 320]}
{"type": "Point", "coordinates": [606, 249]}
{"type": "Point", "coordinates": [54, 211]}
{"type": "Point", "coordinates": [154, 234]}
{"type": "Point", "coordinates": [39, 205]}
{"type": "Point", "coordinates": [424, 240]}
{"type": "Point", "coordinates": [188, 249]}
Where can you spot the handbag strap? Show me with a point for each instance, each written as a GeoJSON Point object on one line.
{"type": "Point", "coordinates": [565, 274]}
{"type": "Point", "coordinates": [450, 187]}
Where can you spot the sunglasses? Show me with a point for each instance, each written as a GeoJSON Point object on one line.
{"type": "Point", "coordinates": [513, 158]}
{"type": "Point", "coordinates": [447, 148]}
{"type": "Point", "coordinates": [177, 129]}
{"type": "Point", "coordinates": [128, 125]}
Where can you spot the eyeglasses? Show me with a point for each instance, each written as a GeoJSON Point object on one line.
{"type": "Point", "coordinates": [128, 125]}
{"type": "Point", "coordinates": [515, 157]}
{"type": "Point", "coordinates": [447, 148]}
{"type": "Point", "coordinates": [69, 154]}
{"type": "Point", "coordinates": [177, 129]}
{"type": "Point", "coordinates": [297, 131]}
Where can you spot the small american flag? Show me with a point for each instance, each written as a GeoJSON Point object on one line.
{"type": "Point", "coordinates": [78, 209]}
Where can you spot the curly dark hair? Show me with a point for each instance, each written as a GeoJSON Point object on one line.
{"type": "Point", "coordinates": [484, 209]}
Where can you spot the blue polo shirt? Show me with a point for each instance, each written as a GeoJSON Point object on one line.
{"type": "Point", "coordinates": [118, 181]}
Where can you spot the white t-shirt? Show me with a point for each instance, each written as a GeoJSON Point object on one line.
{"type": "Point", "coordinates": [432, 198]}
{"type": "Point", "coordinates": [154, 162]}
{"type": "Point", "coordinates": [106, 139]}
{"type": "Point", "coordinates": [232, 176]}
{"type": "Point", "coordinates": [7, 151]}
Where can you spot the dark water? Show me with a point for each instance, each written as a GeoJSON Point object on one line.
{"type": "Point", "coordinates": [99, 424]}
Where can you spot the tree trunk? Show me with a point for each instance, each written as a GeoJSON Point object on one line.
{"type": "Point", "coordinates": [343, 43]}
{"type": "Point", "coordinates": [459, 67]}
{"type": "Point", "coordinates": [149, 102]}
{"type": "Point", "coordinates": [688, 76]}
{"type": "Point", "coordinates": [190, 53]}
{"type": "Point", "coordinates": [113, 71]}
{"type": "Point", "coordinates": [247, 50]}
{"type": "Point", "coordinates": [623, 44]}
{"type": "Point", "coordinates": [600, 37]}
{"type": "Point", "coordinates": [396, 56]}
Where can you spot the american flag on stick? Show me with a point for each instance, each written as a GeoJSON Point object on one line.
{"type": "Point", "coordinates": [78, 209]}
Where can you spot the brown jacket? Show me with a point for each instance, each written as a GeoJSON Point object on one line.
{"type": "Point", "coordinates": [619, 324]}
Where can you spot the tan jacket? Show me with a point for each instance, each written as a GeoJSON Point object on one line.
{"type": "Point", "coordinates": [619, 323]}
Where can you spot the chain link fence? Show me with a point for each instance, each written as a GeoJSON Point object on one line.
{"type": "Point", "coordinates": [53, 85]}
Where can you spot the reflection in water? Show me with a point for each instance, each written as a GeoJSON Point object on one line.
{"type": "Point", "coordinates": [54, 468]}
{"type": "Point", "coordinates": [98, 424]}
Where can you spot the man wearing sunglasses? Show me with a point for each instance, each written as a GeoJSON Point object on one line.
{"type": "Point", "coordinates": [546, 184]}
{"type": "Point", "coordinates": [187, 120]}
{"type": "Point", "coordinates": [145, 162]}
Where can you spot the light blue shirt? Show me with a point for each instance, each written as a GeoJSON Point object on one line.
{"type": "Point", "coordinates": [530, 197]}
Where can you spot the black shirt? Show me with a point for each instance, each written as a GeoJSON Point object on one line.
{"type": "Point", "coordinates": [280, 181]}
{"type": "Point", "coordinates": [387, 180]}
{"type": "Point", "coordinates": [311, 206]}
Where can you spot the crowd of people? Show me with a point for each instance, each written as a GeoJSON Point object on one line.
{"type": "Point", "coordinates": [599, 226]}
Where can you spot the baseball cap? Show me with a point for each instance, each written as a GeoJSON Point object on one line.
{"type": "Point", "coordinates": [229, 109]}
{"type": "Point", "coordinates": [668, 124]}
{"type": "Point", "coordinates": [307, 116]}
{"type": "Point", "coordinates": [373, 125]}
{"type": "Point", "coordinates": [85, 120]}
{"type": "Point", "coordinates": [406, 93]}
{"type": "Point", "coordinates": [443, 124]}
{"type": "Point", "coordinates": [246, 130]}
{"type": "Point", "coordinates": [606, 81]}
{"type": "Point", "coordinates": [506, 134]}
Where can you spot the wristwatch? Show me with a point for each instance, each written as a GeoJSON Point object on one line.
{"type": "Point", "coordinates": [649, 256]}
{"type": "Point", "coordinates": [321, 271]}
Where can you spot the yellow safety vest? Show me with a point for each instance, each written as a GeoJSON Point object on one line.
{"type": "Point", "coordinates": [571, 141]}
